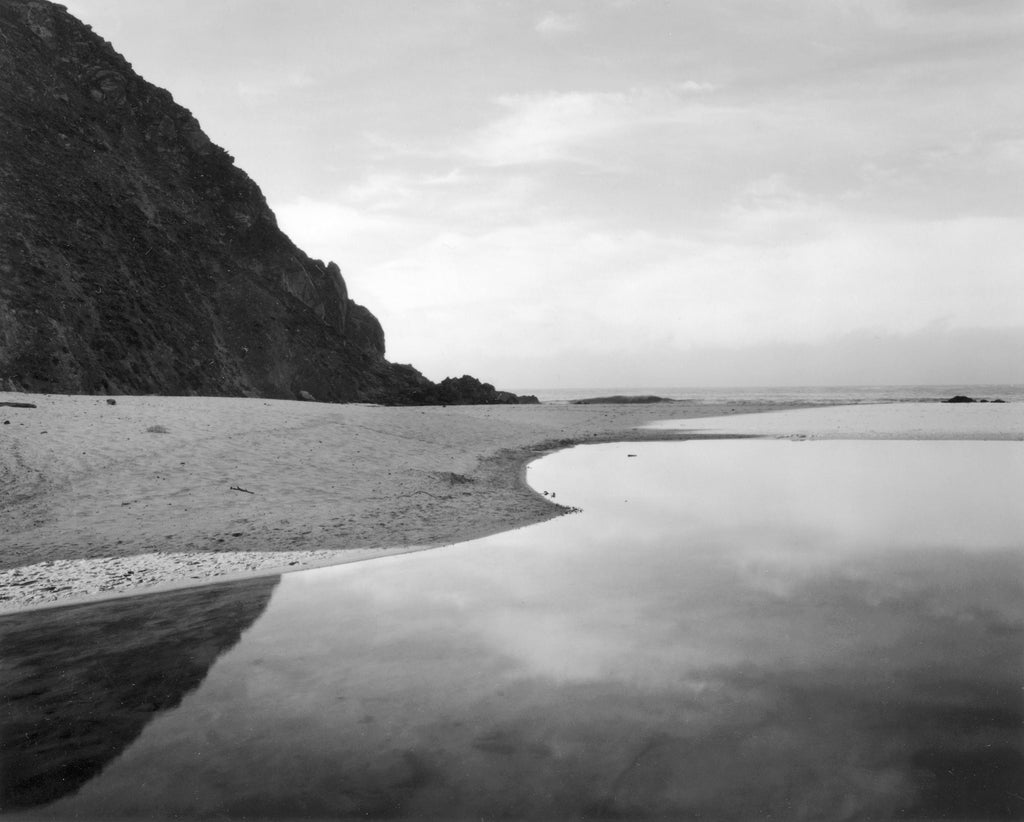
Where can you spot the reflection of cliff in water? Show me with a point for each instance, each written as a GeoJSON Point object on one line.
{"type": "Point", "coordinates": [78, 684]}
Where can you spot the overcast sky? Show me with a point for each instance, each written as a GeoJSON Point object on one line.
{"type": "Point", "coordinates": [633, 192]}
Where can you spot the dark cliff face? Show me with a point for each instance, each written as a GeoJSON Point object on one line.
{"type": "Point", "coordinates": [136, 258]}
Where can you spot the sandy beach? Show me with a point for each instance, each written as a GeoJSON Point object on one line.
{"type": "Point", "coordinates": [101, 500]}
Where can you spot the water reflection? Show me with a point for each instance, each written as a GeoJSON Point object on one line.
{"type": "Point", "coordinates": [79, 683]}
{"type": "Point", "coordinates": [731, 630]}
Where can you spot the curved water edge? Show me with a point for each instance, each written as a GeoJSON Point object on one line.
{"type": "Point", "coordinates": [484, 497]}
{"type": "Point", "coordinates": [730, 629]}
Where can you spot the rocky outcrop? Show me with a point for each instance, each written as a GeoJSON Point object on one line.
{"type": "Point", "coordinates": [620, 399]}
{"type": "Point", "coordinates": [961, 398]}
{"type": "Point", "coordinates": [136, 258]}
{"type": "Point", "coordinates": [464, 390]}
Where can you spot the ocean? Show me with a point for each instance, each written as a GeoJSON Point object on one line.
{"type": "Point", "coordinates": [825, 395]}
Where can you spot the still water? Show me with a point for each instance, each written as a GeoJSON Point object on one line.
{"type": "Point", "coordinates": [729, 630]}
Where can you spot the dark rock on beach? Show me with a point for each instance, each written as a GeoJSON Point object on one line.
{"type": "Point", "coordinates": [136, 258]}
{"type": "Point", "coordinates": [959, 398]}
{"type": "Point", "coordinates": [464, 390]}
{"type": "Point", "coordinates": [619, 399]}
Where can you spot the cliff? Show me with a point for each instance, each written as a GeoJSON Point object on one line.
{"type": "Point", "coordinates": [135, 257]}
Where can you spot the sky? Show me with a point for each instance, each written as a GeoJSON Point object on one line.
{"type": "Point", "coordinates": [633, 192]}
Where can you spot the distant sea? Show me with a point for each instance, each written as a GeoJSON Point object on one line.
{"type": "Point", "coordinates": [848, 394]}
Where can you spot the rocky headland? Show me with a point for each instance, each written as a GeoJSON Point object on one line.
{"type": "Point", "coordinates": [136, 258]}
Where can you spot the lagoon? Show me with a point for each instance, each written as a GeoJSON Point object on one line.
{"type": "Point", "coordinates": [729, 629]}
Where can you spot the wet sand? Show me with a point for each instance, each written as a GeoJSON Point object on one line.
{"type": "Point", "coordinates": [151, 493]}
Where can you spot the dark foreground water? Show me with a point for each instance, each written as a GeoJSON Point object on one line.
{"type": "Point", "coordinates": [730, 630]}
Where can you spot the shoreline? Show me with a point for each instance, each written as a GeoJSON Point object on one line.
{"type": "Point", "coordinates": [153, 494]}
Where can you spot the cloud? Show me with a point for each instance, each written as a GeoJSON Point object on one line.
{"type": "Point", "coordinates": [639, 219]}
{"type": "Point", "coordinates": [561, 126]}
{"type": "Point", "coordinates": [458, 260]}
{"type": "Point", "coordinates": [553, 24]}
{"type": "Point", "coordinates": [574, 291]}
{"type": "Point", "coordinates": [259, 89]}
{"type": "Point", "coordinates": [325, 229]}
